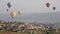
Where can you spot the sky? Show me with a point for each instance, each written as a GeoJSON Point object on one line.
{"type": "Point", "coordinates": [37, 7]}
{"type": "Point", "coordinates": [30, 6]}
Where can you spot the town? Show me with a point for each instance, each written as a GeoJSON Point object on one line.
{"type": "Point", "coordinates": [25, 27]}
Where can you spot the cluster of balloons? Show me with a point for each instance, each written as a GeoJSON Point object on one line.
{"type": "Point", "coordinates": [9, 6]}
{"type": "Point", "coordinates": [48, 5]}
{"type": "Point", "coordinates": [13, 14]}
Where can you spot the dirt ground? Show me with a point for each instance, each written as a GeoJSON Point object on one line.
{"type": "Point", "coordinates": [6, 32]}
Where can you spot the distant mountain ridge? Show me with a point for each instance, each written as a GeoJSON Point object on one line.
{"type": "Point", "coordinates": [38, 17]}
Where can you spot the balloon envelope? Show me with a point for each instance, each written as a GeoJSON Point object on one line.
{"type": "Point", "coordinates": [7, 10]}
{"type": "Point", "coordinates": [48, 4]}
{"type": "Point", "coordinates": [54, 8]}
{"type": "Point", "coordinates": [12, 14]}
{"type": "Point", "coordinates": [8, 4]}
{"type": "Point", "coordinates": [19, 12]}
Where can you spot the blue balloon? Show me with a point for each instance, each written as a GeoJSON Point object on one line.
{"type": "Point", "coordinates": [54, 8]}
{"type": "Point", "coordinates": [9, 4]}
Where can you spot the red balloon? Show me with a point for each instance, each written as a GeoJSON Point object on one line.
{"type": "Point", "coordinates": [48, 4]}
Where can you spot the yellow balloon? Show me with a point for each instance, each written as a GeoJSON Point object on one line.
{"type": "Point", "coordinates": [19, 12]}
{"type": "Point", "coordinates": [12, 14]}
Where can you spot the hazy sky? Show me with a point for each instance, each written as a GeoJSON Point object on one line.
{"type": "Point", "coordinates": [30, 6]}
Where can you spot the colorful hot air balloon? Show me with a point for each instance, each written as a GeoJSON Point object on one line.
{"type": "Point", "coordinates": [48, 4]}
{"type": "Point", "coordinates": [9, 4]}
{"type": "Point", "coordinates": [12, 14]}
{"type": "Point", "coordinates": [54, 8]}
{"type": "Point", "coordinates": [20, 12]}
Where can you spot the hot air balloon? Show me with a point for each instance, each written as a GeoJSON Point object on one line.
{"type": "Point", "coordinates": [12, 14]}
{"type": "Point", "coordinates": [7, 10]}
{"type": "Point", "coordinates": [54, 8]}
{"type": "Point", "coordinates": [48, 4]}
{"type": "Point", "coordinates": [20, 12]}
{"type": "Point", "coordinates": [9, 4]}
